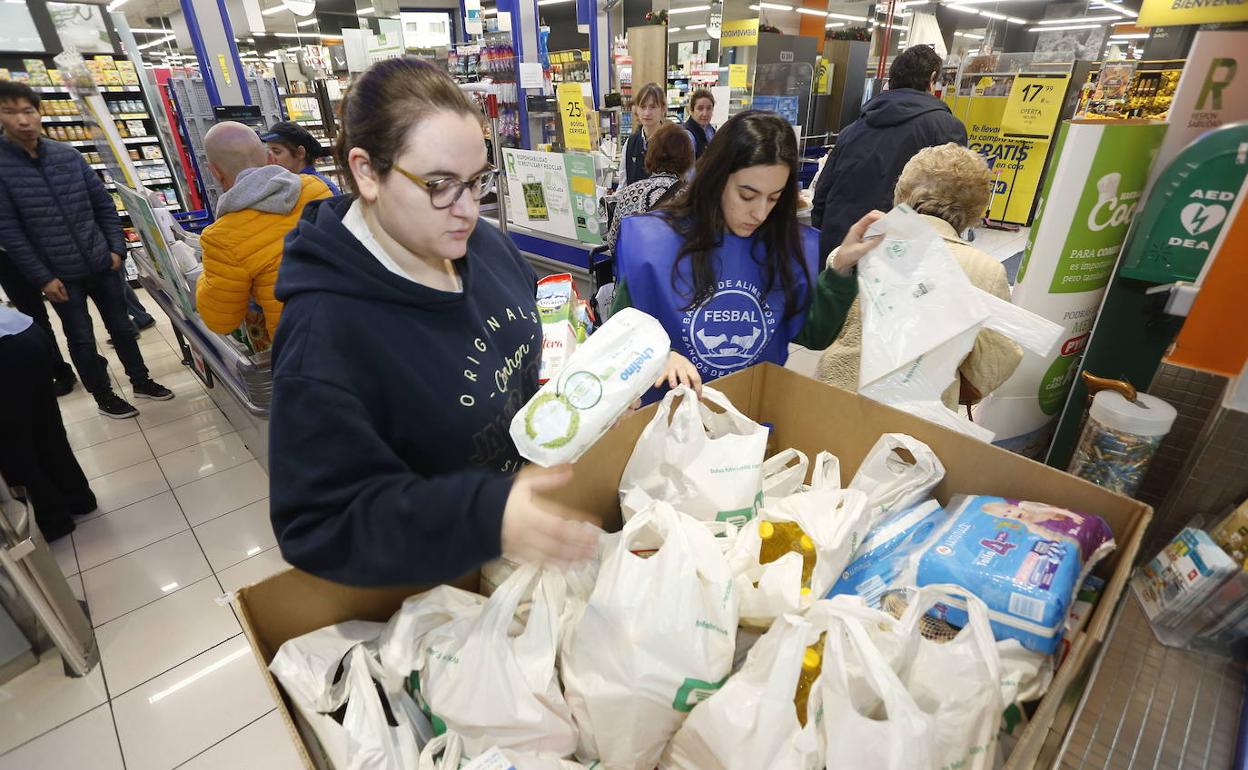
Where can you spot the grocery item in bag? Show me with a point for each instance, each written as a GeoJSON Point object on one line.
{"type": "Point", "coordinates": [898, 472]}
{"type": "Point", "coordinates": [886, 560]}
{"type": "Point", "coordinates": [744, 725]}
{"type": "Point", "coordinates": [654, 639]}
{"type": "Point", "coordinates": [565, 324]}
{"type": "Point", "coordinates": [595, 387]}
{"type": "Point", "coordinates": [384, 728]}
{"type": "Point", "coordinates": [707, 463]}
{"type": "Point", "coordinates": [1025, 560]}
{"type": "Point", "coordinates": [399, 647]}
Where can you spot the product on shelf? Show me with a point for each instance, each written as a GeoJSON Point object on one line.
{"type": "Point", "coordinates": [37, 72]}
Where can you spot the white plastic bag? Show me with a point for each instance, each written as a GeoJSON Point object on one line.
{"type": "Point", "coordinates": [898, 472]}
{"type": "Point", "coordinates": [1025, 674]}
{"type": "Point", "coordinates": [920, 318]}
{"type": "Point", "coordinates": [835, 520]}
{"type": "Point", "coordinates": [379, 736]}
{"type": "Point", "coordinates": [596, 385]}
{"type": "Point", "coordinates": [751, 722]}
{"type": "Point", "coordinates": [445, 752]}
{"type": "Point", "coordinates": [655, 638]}
{"type": "Point", "coordinates": [784, 474]}
{"type": "Point", "coordinates": [493, 686]}
{"type": "Point", "coordinates": [399, 648]}
{"type": "Point", "coordinates": [707, 463]}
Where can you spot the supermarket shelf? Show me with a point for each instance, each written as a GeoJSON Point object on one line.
{"type": "Point", "coordinates": [98, 166]}
{"type": "Point", "coordinates": [64, 119]}
{"type": "Point", "coordinates": [80, 143]}
{"type": "Point", "coordinates": [130, 116]}
{"type": "Point", "coordinates": [103, 89]}
{"type": "Point", "coordinates": [148, 162]}
{"type": "Point", "coordinates": [140, 139]}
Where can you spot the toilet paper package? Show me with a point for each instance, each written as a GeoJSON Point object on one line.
{"type": "Point", "coordinates": [597, 384]}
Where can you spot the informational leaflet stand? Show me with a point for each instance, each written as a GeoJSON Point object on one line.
{"type": "Point", "coordinates": [553, 193]}
{"type": "Point", "coordinates": [159, 262]}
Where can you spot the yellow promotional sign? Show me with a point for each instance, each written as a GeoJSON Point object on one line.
{"type": "Point", "coordinates": [1034, 105]}
{"type": "Point", "coordinates": [823, 79]}
{"type": "Point", "coordinates": [225, 69]}
{"type": "Point", "coordinates": [575, 121]}
{"type": "Point", "coordinates": [738, 76]}
{"type": "Point", "coordinates": [1017, 164]}
{"type": "Point", "coordinates": [740, 32]}
{"type": "Point", "coordinates": [1165, 13]}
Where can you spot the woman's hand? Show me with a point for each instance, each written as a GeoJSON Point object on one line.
{"type": "Point", "coordinates": [540, 531]}
{"type": "Point", "coordinates": [680, 371]}
{"type": "Point", "coordinates": [856, 244]}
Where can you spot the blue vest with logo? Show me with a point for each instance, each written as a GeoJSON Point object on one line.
{"type": "Point", "coordinates": [741, 324]}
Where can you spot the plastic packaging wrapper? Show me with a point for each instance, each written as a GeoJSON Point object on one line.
{"type": "Point", "coordinates": [565, 322]}
{"type": "Point", "coordinates": [1025, 560]}
{"type": "Point", "coordinates": [598, 384]}
{"type": "Point", "coordinates": [749, 723]}
{"type": "Point", "coordinates": [1180, 578]}
{"type": "Point", "coordinates": [920, 317]}
{"type": "Point", "coordinates": [654, 639]}
{"type": "Point", "coordinates": [707, 463]}
{"type": "Point", "coordinates": [886, 560]}
{"type": "Point", "coordinates": [1119, 440]}
{"type": "Point", "coordinates": [898, 472]}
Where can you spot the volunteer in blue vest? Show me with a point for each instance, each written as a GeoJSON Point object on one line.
{"type": "Point", "coordinates": [408, 341]}
{"type": "Point", "coordinates": [728, 270]}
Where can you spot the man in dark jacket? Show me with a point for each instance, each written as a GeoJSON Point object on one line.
{"type": "Point", "coordinates": [61, 231]}
{"type": "Point", "coordinates": [870, 153]}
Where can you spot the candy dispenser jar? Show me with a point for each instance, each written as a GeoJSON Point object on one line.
{"type": "Point", "coordinates": [1120, 439]}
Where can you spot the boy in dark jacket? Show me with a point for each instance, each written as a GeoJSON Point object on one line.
{"type": "Point", "coordinates": [62, 232]}
{"type": "Point", "coordinates": [871, 152]}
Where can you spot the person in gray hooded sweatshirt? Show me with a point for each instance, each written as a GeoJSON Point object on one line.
{"type": "Point", "coordinates": [243, 248]}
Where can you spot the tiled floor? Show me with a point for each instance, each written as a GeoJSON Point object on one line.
{"type": "Point", "coordinates": [183, 519]}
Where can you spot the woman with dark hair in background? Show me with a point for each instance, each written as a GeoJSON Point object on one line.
{"type": "Point", "coordinates": [408, 341]}
{"type": "Point", "coordinates": [649, 112]}
{"type": "Point", "coordinates": [293, 147]}
{"type": "Point", "coordinates": [701, 107]}
{"type": "Point", "coordinates": [668, 159]}
{"type": "Point", "coordinates": [728, 270]}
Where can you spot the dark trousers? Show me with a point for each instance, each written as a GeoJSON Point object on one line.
{"type": "Point", "coordinates": [134, 307]}
{"type": "Point", "coordinates": [34, 451]}
{"type": "Point", "coordinates": [104, 289]}
{"type": "Point", "coordinates": [29, 300]}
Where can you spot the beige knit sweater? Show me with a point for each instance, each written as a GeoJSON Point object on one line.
{"type": "Point", "coordinates": [990, 363]}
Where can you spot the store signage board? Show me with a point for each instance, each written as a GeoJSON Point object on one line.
{"type": "Point", "coordinates": [160, 260]}
{"type": "Point", "coordinates": [1034, 105]}
{"type": "Point", "coordinates": [1017, 164]}
{"type": "Point", "coordinates": [553, 193]}
{"type": "Point", "coordinates": [1165, 13]}
{"type": "Point", "coordinates": [531, 75]}
{"type": "Point", "coordinates": [743, 32]}
{"type": "Point", "coordinates": [1090, 198]}
{"type": "Point", "coordinates": [473, 21]}
{"type": "Point", "coordinates": [574, 117]}
{"type": "Point", "coordinates": [738, 76]}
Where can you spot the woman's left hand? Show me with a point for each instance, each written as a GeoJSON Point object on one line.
{"type": "Point", "coordinates": [856, 244]}
{"type": "Point", "coordinates": [680, 371]}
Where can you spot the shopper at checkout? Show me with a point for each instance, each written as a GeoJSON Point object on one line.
{"type": "Point", "coordinates": [669, 157]}
{"type": "Point", "coordinates": [293, 147]}
{"type": "Point", "coordinates": [727, 269]}
{"type": "Point", "coordinates": [649, 113]}
{"type": "Point", "coordinates": [949, 187]}
{"type": "Point", "coordinates": [701, 108]}
{"type": "Point", "coordinates": [243, 248]}
{"type": "Point", "coordinates": [409, 339]}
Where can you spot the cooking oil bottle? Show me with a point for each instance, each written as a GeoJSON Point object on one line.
{"type": "Point", "coordinates": [781, 537]}
{"type": "Point", "coordinates": [812, 663]}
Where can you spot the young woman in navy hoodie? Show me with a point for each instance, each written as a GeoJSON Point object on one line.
{"type": "Point", "coordinates": [409, 339]}
{"type": "Point", "coordinates": [727, 269]}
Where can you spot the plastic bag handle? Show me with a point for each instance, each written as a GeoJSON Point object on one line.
{"type": "Point", "coordinates": [500, 608]}
{"type": "Point", "coordinates": [827, 472]}
{"type": "Point", "coordinates": [879, 673]}
{"type": "Point", "coordinates": [978, 624]}
{"type": "Point", "coordinates": [664, 517]}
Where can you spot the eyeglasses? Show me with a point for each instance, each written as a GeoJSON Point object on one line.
{"type": "Point", "coordinates": [443, 193]}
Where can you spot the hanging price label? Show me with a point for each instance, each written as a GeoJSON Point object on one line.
{"type": "Point", "coordinates": [1034, 104]}
{"type": "Point", "coordinates": [575, 121]}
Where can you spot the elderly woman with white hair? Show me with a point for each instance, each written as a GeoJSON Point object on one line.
{"type": "Point", "coordinates": [949, 187]}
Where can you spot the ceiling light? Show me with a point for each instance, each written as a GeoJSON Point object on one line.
{"type": "Point", "coordinates": [293, 48]}
{"type": "Point", "coordinates": [909, 3]}
{"type": "Point", "coordinates": [365, 11]}
{"type": "Point", "coordinates": [551, 2]}
{"type": "Point", "coordinates": [157, 42]}
{"type": "Point", "coordinates": [846, 16]}
{"type": "Point", "coordinates": [835, 24]}
{"type": "Point", "coordinates": [673, 29]}
{"type": "Point", "coordinates": [689, 9]}
{"type": "Point", "coordinates": [1076, 20]}
{"type": "Point", "coordinates": [305, 23]}
{"type": "Point", "coordinates": [1065, 29]}
{"type": "Point", "coordinates": [973, 36]}
{"type": "Point", "coordinates": [695, 26]}
{"type": "Point", "coordinates": [776, 6]}
{"type": "Point", "coordinates": [1126, 12]}
{"type": "Point", "coordinates": [963, 9]}
{"type": "Point", "coordinates": [150, 31]}
{"type": "Point", "coordinates": [275, 9]}
{"type": "Point", "coordinates": [992, 15]}
{"type": "Point", "coordinates": [116, 4]}
{"type": "Point", "coordinates": [1130, 36]}
{"type": "Point", "coordinates": [812, 12]}
{"type": "Point", "coordinates": [1016, 20]}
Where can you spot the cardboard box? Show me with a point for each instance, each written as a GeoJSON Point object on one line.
{"type": "Point", "coordinates": [810, 416]}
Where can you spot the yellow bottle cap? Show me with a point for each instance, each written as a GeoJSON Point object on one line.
{"type": "Point", "coordinates": [811, 658]}
{"type": "Point", "coordinates": [805, 590]}
{"type": "Point", "coordinates": [766, 529]}
{"type": "Point", "coordinates": [806, 543]}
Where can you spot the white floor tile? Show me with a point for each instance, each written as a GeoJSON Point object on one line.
{"type": "Point", "coordinates": [124, 584]}
{"type": "Point", "coordinates": [90, 741]}
{"type": "Point", "coordinates": [255, 569]}
{"type": "Point", "coordinates": [98, 429]}
{"type": "Point", "coordinates": [264, 744]}
{"type": "Point", "coordinates": [75, 585]}
{"type": "Point", "coordinates": [153, 413]}
{"type": "Point", "coordinates": [78, 409]}
{"type": "Point", "coordinates": [236, 536]}
{"type": "Point", "coordinates": [128, 529]}
{"type": "Point", "coordinates": [224, 492]}
{"type": "Point", "coordinates": [118, 489]}
{"type": "Point", "coordinates": [63, 552]}
{"type": "Point", "coordinates": [189, 709]}
{"type": "Point", "coordinates": [204, 459]}
{"type": "Point", "coordinates": [188, 431]}
{"type": "Point", "coordinates": [44, 698]}
{"type": "Point", "coordinates": [163, 634]}
{"type": "Point", "coordinates": [163, 367]}
{"type": "Point", "coordinates": [113, 455]}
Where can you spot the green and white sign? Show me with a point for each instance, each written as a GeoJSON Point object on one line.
{"type": "Point", "coordinates": [553, 193]}
{"type": "Point", "coordinates": [1092, 194]}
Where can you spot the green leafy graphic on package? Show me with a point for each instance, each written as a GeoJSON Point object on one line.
{"type": "Point", "coordinates": [694, 691]}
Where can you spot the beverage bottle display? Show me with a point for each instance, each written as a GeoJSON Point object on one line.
{"type": "Point", "coordinates": [784, 537]}
{"type": "Point", "coordinates": [812, 663]}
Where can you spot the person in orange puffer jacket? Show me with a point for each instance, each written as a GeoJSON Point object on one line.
{"type": "Point", "coordinates": [243, 248]}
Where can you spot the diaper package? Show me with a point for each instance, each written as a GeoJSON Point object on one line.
{"type": "Point", "coordinates": [885, 560]}
{"type": "Point", "coordinates": [597, 384]}
{"type": "Point", "coordinates": [1025, 560]}
{"type": "Point", "coordinates": [566, 322]}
